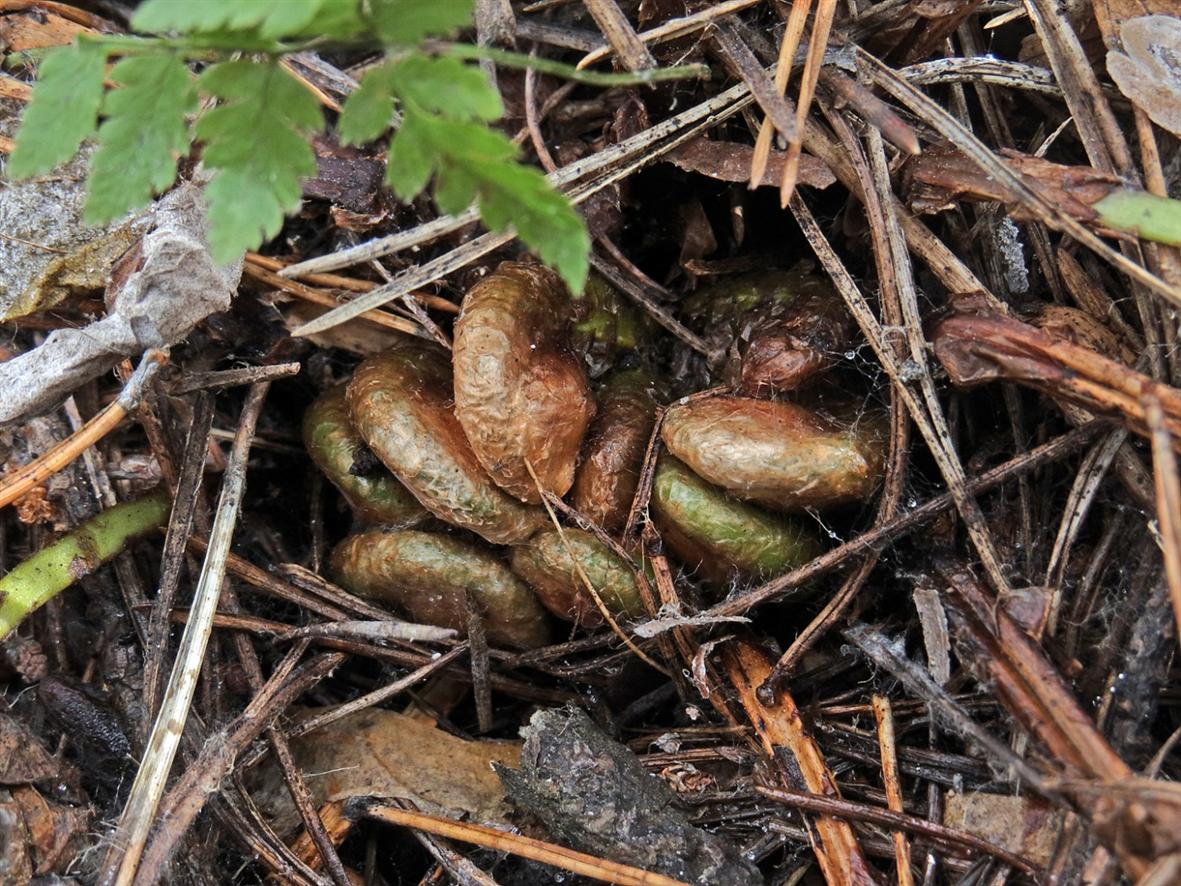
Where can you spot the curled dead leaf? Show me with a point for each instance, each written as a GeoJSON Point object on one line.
{"type": "Point", "coordinates": [1148, 71]}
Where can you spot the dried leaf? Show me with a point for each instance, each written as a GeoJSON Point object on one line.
{"type": "Point", "coordinates": [1149, 70]}
{"type": "Point", "coordinates": [56, 831]}
{"type": "Point", "coordinates": [22, 758]}
{"type": "Point", "coordinates": [83, 270]}
{"type": "Point", "coordinates": [385, 754]}
{"type": "Point", "coordinates": [730, 162]}
{"type": "Point", "coordinates": [1024, 825]}
{"type": "Point", "coordinates": [174, 285]}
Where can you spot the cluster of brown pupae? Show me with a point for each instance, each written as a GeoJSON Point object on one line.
{"type": "Point", "coordinates": [467, 441]}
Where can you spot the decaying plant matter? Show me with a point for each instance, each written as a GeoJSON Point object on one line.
{"type": "Point", "coordinates": [830, 534]}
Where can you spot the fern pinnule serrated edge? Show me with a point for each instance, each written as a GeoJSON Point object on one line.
{"type": "Point", "coordinates": [255, 138]}
{"type": "Point", "coordinates": [63, 110]}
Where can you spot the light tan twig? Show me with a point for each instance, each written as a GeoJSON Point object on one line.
{"type": "Point", "coordinates": [526, 847]}
{"type": "Point", "coordinates": [19, 482]}
{"type": "Point", "coordinates": [821, 26]}
{"type": "Point", "coordinates": [796, 20]}
{"type": "Point", "coordinates": [885, 719]}
{"type": "Point", "coordinates": [1168, 498]}
{"type": "Point", "coordinates": [140, 810]}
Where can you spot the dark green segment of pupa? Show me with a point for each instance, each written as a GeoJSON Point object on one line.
{"type": "Point", "coordinates": [546, 564]}
{"type": "Point", "coordinates": [374, 494]}
{"type": "Point", "coordinates": [428, 575]}
{"type": "Point", "coordinates": [724, 539]}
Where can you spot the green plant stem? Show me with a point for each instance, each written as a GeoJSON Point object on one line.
{"type": "Point", "coordinates": [191, 47]}
{"type": "Point", "coordinates": [510, 59]}
{"type": "Point", "coordinates": [55, 567]}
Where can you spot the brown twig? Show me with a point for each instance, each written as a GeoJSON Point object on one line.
{"type": "Point", "coordinates": [620, 34]}
{"type": "Point", "coordinates": [517, 844]}
{"type": "Point", "coordinates": [780, 728]}
{"type": "Point", "coordinates": [18, 483]}
{"type": "Point", "coordinates": [884, 716]}
{"type": "Point", "coordinates": [180, 527]}
{"type": "Point", "coordinates": [827, 805]}
{"type": "Point", "coordinates": [123, 860]}
{"type": "Point", "coordinates": [192, 790]}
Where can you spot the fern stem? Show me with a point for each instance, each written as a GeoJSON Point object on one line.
{"type": "Point", "coordinates": [38, 578]}
{"type": "Point", "coordinates": [510, 59]}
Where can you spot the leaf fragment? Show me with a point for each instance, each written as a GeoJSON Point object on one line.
{"type": "Point", "coordinates": [1150, 217]}
{"type": "Point", "coordinates": [407, 22]}
{"type": "Point", "coordinates": [142, 135]}
{"type": "Point", "coordinates": [63, 110]}
{"type": "Point", "coordinates": [255, 143]}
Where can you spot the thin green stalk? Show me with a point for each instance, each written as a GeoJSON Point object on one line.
{"type": "Point", "coordinates": [510, 59]}
{"type": "Point", "coordinates": [55, 567]}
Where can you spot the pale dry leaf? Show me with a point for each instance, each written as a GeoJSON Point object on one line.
{"type": "Point", "coordinates": [1025, 825]}
{"type": "Point", "coordinates": [1148, 71]}
{"type": "Point", "coordinates": [153, 302]}
{"type": "Point", "coordinates": [381, 753]}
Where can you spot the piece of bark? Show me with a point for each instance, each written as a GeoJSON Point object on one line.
{"type": "Point", "coordinates": [594, 795]}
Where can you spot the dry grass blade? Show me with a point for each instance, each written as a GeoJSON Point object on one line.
{"type": "Point", "coordinates": [1047, 213]}
{"type": "Point", "coordinates": [796, 20]}
{"type": "Point", "coordinates": [201, 781]}
{"type": "Point", "coordinates": [20, 482]}
{"type": "Point", "coordinates": [526, 847]}
{"type": "Point", "coordinates": [180, 527]}
{"type": "Point", "coordinates": [1168, 498]}
{"type": "Point", "coordinates": [821, 26]}
{"type": "Point", "coordinates": [122, 861]}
